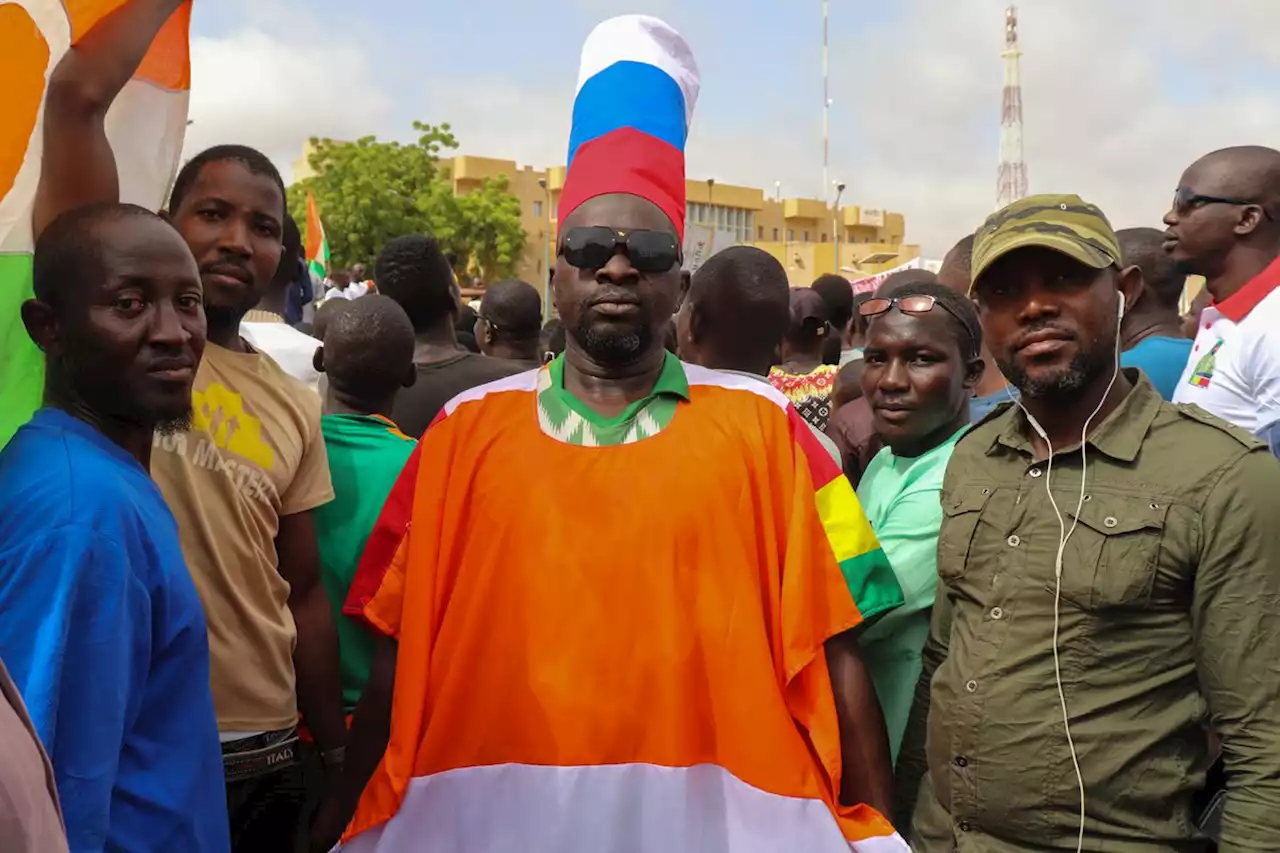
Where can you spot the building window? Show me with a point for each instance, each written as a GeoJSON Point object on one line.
{"type": "Point", "coordinates": [775, 235]}
{"type": "Point", "coordinates": [791, 235]}
{"type": "Point", "coordinates": [824, 238]}
{"type": "Point", "coordinates": [806, 236]}
{"type": "Point", "coordinates": [760, 233]}
{"type": "Point", "coordinates": [537, 209]}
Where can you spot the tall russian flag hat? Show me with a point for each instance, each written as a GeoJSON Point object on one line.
{"type": "Point", "coordinates": [637, 86]}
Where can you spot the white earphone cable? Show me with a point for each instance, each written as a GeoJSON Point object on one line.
{"type": "Point", "coordinates": [1064, 534]}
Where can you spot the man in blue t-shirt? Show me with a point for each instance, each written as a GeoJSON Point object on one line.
{"type": "Point", "coordinates": [100, 624]}
{"type": "Point", "coordinates": [1151, 333]}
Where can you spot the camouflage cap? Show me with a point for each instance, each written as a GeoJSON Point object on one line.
{"type": "Point", "coordinates": [1064, 223]}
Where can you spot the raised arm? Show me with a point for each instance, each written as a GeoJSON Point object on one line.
{"type": "Point", "coordinates": [78, 166]}
{"type": "Point", "coordinates": [1235, 614]}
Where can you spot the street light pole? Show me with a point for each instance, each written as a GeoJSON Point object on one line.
{"type": "Point", "coordinates": [546, 252]}
{"type": "Point", "coordinates": [835, 222]}
{"type": "Point", "coordinates": [711, 211]}
{"type": "Point", "coordinates": [826, 105]}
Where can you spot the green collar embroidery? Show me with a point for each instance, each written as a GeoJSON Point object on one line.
{"type": "Point", "coordinates": [566, 418]}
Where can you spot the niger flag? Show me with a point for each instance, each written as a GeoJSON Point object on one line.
{"type": "Point", "coordinates": [146, 126]}
{"type": "Point", "coordinates": [618, 648]}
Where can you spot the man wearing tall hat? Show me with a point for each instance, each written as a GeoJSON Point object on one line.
{"type": "Point", "coordinates": [665, 661]}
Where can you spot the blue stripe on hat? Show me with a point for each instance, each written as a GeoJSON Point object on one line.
{"type": "Point", "coordinates": [629, 94]}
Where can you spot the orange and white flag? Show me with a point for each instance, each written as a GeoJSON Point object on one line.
{"type": "Point", "coordinates": [146, 125]}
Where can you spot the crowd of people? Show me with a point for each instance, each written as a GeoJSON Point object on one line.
{"type": "Point", "coordinates": [284, 568]}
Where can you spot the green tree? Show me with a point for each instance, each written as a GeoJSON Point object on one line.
{"type": "Point", "coordinates": [369, 192]}
{"type": "Point", "coordinates": [489, 230]}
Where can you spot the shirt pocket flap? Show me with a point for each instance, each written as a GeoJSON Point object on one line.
{"type": "Point", "coordinates": [961, 511]}
{"type": "Point", "coordinates": [1112, 556]}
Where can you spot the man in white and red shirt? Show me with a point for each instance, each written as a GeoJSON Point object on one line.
{"type": "Point", "coordinates": [1225, 226]}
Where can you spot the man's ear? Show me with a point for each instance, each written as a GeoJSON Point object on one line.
{"type": "Point", "coordinates": [1133, 286]}
{"type": "Point", "coordinates": [42, 326]}
{"type": "Point", "coordinates": [317, 360]}
{"type": "Point", "coordinates": [1251, 216]}
{"type": "Point", "coordinates": [973, 372]}
{"type": "Point", "coordinates": [410, 377]}
{"type": "Point", "coordinates": [698, 321]}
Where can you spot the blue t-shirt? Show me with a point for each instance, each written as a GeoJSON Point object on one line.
{"type": "Point", "coordinates": [1162, 359]}
{"type": "Point", "coordinates": [980, 407]}
{"type": "Point", "coordinates": [104, 634]}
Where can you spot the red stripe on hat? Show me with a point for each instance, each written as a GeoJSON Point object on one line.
{"type": "Point", "coordinates": [627, 161]}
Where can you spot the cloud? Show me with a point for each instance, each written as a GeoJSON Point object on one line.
{"type": "Point", "coordinates": [500, 117]}
{"type": "Point", "coordinates": [256, 89]}
{"type": "Point", "coordinates": [1119, 97]}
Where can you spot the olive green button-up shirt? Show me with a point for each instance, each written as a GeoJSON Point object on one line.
{"type": "Point", "coordinates": [1169, 622]}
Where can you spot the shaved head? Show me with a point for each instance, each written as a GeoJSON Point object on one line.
{"type": "Point", "coordinates": [1247, 171]}
{"type": "Point", "coordinates": [736, 311]}
{"type": "Point", "coordinates": [1225, 220]}
{"type": "Point", "coordinates": [956, 272]}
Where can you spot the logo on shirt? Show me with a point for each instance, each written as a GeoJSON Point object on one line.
{"type": "Point", "coordinates": [227, 439]}
{"type": "Point", "coordinates": [219, 411]}
{"type": "Point", "coordinates": [1202, 376]}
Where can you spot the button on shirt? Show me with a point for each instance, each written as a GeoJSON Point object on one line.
{"type": "Point", "coordinates": [1169, 602]}
{"type": "Point", "coordinates": [1234, 368]}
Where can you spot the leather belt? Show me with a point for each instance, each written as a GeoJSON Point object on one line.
{"type": "Point", "coordinates": [247, 760]}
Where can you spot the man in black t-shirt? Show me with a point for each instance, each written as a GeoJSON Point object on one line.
{"type": "Point", "coordinates": [414, 272]}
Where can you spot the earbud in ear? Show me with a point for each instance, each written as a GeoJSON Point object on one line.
{"type": "Point", "coordinates": [1121, 294]}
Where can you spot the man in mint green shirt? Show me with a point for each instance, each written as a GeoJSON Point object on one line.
{"type": "Point", "coordinates": [923, 360]}
{"type": "Point", "coordinates": [367, 354]}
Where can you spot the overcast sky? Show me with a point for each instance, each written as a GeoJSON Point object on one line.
{"type": "Point", "coordinates": [1119, 97]}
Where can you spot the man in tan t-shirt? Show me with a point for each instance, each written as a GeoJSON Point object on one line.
{"type": "Point", "coordinates": [242, 482]}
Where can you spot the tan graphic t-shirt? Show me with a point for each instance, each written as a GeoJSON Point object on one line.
{"type": "Point", "coordinates": [254, 453]}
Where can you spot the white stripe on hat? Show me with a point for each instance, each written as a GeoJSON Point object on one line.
{"type": "Point", "coordinates": [641, 38]}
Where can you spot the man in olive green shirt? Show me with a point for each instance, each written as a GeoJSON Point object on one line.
{"type": "Point", "coordinates": [1167, 602]}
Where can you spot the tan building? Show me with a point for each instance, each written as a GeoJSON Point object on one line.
{"type": "Point", "coordinates": [802, 233]}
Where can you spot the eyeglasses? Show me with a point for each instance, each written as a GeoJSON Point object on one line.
{"type": "Point", "coordinates": [906, 304]}
{"type": "Point", "coordinates": [1186, 200]}
{"type": "Point", "coordinates": [591, 247]}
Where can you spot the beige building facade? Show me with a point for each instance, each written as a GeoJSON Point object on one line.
{"type": "Point", "coordinates": [806, 235]}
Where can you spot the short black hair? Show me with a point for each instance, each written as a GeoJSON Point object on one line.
{"type": "Point", "coordinates": [1144, 248]}
{"type": "Point", "coordinates": [513, 309]}
{"type": "Point", "coordinates": [837, 292]}
{"type": "Point", "coordinates": [414, 272]}
{"type": "Point", "coordinates": [251, 158]}
{"type": "Point", "coordinates": [368, 347]}
{"type": "Point", "coordinates": [287, 271]}
{"type": "Point", "coordinates": [743, 292]}
{"type": "Point", "coordinates": [325, 314]}
{"type": "Point", "coordinates": [69, 253]}
{"type": "Point", "coordinates": [959, 309]}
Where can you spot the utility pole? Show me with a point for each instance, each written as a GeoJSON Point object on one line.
{"type": "Point", "coordinates": [1011, 179]}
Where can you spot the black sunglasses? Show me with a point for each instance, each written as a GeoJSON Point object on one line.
{"type": "Point", "coordinates": [1186, 200]}
{"type": "Point", "coordinates": [591, 247]}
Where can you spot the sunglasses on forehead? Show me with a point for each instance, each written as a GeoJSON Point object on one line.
{"type": "Point", "coordinates": [1186, 200]}
{"type": "Point", "coordinates": [906, 304]}
{"type": "Point", "coordinates": [914, 305]}
{"type": "Point", "coordinates": [591, 247]}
